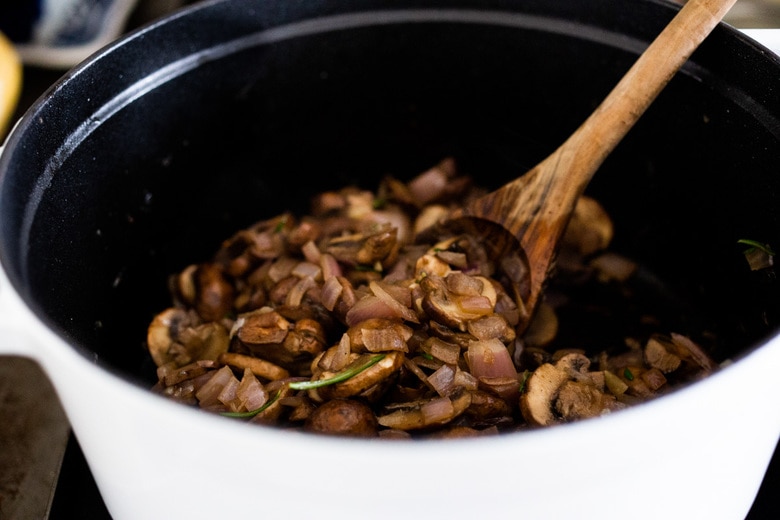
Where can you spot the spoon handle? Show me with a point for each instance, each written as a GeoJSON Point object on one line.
{"type": "Point", "coordinates": [536, 207]}
{"type": "Point", "coordinates": [636, 91]}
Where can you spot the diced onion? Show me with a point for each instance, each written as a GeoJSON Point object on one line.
{"type": "Point", "coordinates": [504, 387]}
{"type": "Point", "coordinates": [402, 311]}
{"type": "Point", "coordinates": [429, 185]}
{"type": "Point", "coordinates": [295, 296]}
{"type": "Point", "coordinates": [281, 268]}
{"type": "Point", "coordinates": [437, 411]}
{"type": "Point", "coordinates": [369, 307]}
{"type": "Point", "coordinates": [447, 352]}
{"type": "Point", "coordinates": [475, 305]}
{"type": "Point", "coordinates": [397, 219]}
{"type": "Point", "coordinates": [331, 290]}
{"type": "Point", "coordinates": [341, 356]}
{"type": "Point", "coordinates": [330, 266]}
{"type": "Point", "coordinates": [250, 392]}
{"type": "Point", "coordinates": [311, 252]}
{"type": "Point", "coordinates": [209, 393]}
{"type": "Point", "coordinates": [307, 269]}
{"type": "Point", "coordinates": [442, 380]}
{"type": "Point", "coordinates": [490, 358]}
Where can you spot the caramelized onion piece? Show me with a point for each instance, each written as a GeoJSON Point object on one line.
{"type": "Point", "coordinates": [423, 414]}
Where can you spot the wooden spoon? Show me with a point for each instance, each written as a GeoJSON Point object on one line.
{"type": "Point", "coordinates": [536, 207]}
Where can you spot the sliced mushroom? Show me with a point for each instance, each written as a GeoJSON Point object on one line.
{"type": "Point", "coordinates": [438, 330]}
{"type": "Point", "coordinates": [347, 417]}
{"type": "Point", "coordinates": [429, 217]}
{"type": "Point", "coordinates": [269, 335]}
{"type": "Point", "coordinates": [361, 381]}
{"type": "Point", "coordinates": [183, 285]}
{"type": "Point", "coordinates": [214, 293]}
{"type": "Point", "coordinates": [431, 264]}
{"type": "Point", "coordinates": [491, 326]}
{"type": "Point", "coordinates": [301, 407]}
{"type": "Point", "coordinates": [305, 340]}
{"type": "Point", "coordinates": [580, 400]}
{"type": "Point", "coordinates": [370, 248]}
{"type": "Point", "coordinates": [590, 228]}
{"type": "Point", "coordinates": [161, 332]}
{"type": "Point", "coordinates": [176, 336]}
{"type": "Point", "coordinates": [432, 412]}
{"type": "Point", "coordinates": [452, 309]}
{"type": "Point", "coordinates": [543, 327]}
{"type": "Point", "coordinates": [541, 389]}
{"type": "Point", "coordinates": [328, 202]}
{"type": "Point", "coordinates": [259, 367]}
{"type": "Point", "coordinates": [611, 266]}
{"type": "Point", "coordinates": [261, 327]}
{"type": "Point", "coordinates": [538, 403]}
{"type": "Point", "coordinates": [486, 406]}
{"type": "Point", "coordinates": [171, 374]}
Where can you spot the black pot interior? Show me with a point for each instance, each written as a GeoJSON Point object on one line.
{"type": "Point", "coordinates": [122, 174]}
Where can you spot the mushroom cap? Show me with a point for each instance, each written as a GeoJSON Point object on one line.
{"type": "Point", "coordinates": [541, 388]}
{"type": "Point", "coordinates": [343, 417]}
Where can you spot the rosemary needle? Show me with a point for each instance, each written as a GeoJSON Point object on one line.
{"type": "Point", "coordinates": [252, 413]}
{"type": "Point", "coordinates": [338, 378]}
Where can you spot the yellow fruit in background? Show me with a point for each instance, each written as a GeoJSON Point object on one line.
{"type": "Point", "coordinates": [10, 82]}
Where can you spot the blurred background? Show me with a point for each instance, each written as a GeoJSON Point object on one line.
{"type": "Point", "coordinates": [51, 36]}
{"type": "Point", "coordinates": [42, 472]}
{"type": "Point", "coordinates": [757, 14]}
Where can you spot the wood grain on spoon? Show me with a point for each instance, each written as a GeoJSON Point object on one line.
{"type": "Point", "coordinates": [536, 207]}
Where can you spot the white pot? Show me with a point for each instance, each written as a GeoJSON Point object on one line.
{"type": "Point", "coordinates": [700, 452]}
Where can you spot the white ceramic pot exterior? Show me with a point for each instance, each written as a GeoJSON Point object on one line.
{"type": "Point", "coordinates": [698, 453]}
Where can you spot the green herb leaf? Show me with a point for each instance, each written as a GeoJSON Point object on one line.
{"type": "Point", "coordinates": [338, 378]}
{"type": "Point", "coordinates": [526, 375]}
{"type": "Point", "coordinates": [252, 413]}
{"type": "Point", "coordinates": [758, 245]}
{"type": "Point", "coordinates": [628, 375]}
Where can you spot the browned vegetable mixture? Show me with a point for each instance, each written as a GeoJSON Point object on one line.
{"type": "Point", "coordinates": [340, 322]}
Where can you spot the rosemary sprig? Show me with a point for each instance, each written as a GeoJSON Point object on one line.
{"type": "Point", "coordinates": [338, 378]}
{"type": "Point", "coordinates": [252, 413]}
{"type": "Point", "coordinates": [308, 385]}
{"type": "Point", "coordinates": [758, 245]}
